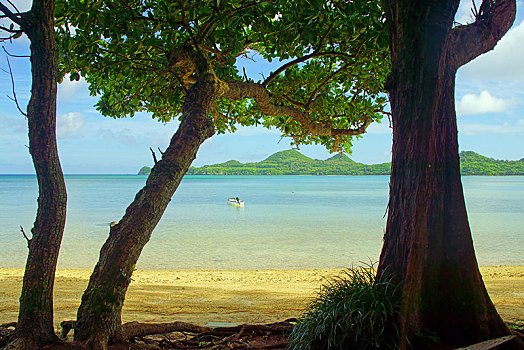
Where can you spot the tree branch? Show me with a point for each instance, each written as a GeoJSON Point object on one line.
{"type": "Point", "coordinates": [16, 56]}
{"type": "Point", "coordinates": [12, 16]}
{"type": "Point", "coordinates": [321, 42]}
{"type": "Point", "coordinates": [470, 41]}
{"type": "Point", "coordinates": [211, 23]}
{"type": "Point", "coordinates": [187, 27]}
{"type": "Point", "coordinates": [312, 98]}
{"type": "Point", "coordinates": [303, 59]}
{"type": "Point", "coordinates": [13, 31]}
{"type": "Point", "coordinates": [240, 90]}
{"type": "Point", "coordinates": [13, 5]}
{"type": "Point", "coordinates": [25, 236]}
{"type": "Point", "coordinates": [154, 155]}
{"type": "Point", "coordinates": [15, 99]}
{"type": "Point", "coordinates": [294, 103]}
{"type": "Point", "coordinates": [10, 37]}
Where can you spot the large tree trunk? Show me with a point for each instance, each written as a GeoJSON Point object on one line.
{"type": "Point", "coordinates": [99, 315]}
{"type": "Point", "coordinates": [428, 246]}
{"type": "Point", "coordinates": [35, 320]}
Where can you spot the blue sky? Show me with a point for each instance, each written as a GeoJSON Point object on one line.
{"type": "Point", "coordinates": [489, 100]}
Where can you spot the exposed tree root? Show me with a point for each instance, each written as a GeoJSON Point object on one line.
{"type": "Point", "coordinates": [261, 336]}
{"type": "Point", "coordinates": [137, 329]}
{"type": "Point", "coordinates": [181, 335]}
{"type": "Point", "coordinates": [6, 333]}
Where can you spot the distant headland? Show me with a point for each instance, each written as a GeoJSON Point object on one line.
{"type": "Point", "coordinates": [292, 162]}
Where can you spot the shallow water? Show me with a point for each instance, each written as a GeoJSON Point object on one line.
{"type": "Point", "coordinates": [287, 221]}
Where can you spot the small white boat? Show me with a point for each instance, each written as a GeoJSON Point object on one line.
{"type": "Point", "coordinates": [235, 202]}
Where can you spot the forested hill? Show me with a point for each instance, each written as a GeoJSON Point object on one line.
{"type": "Point", "coordinates": [292, 162]}
{"type": "Point", "coordinates": [472, 163]}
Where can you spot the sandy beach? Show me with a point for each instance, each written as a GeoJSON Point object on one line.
{"type": "Point", "coordinates": [251, 296]}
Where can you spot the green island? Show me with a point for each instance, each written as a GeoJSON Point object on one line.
{"type": "Point", "coordinates": [292, 162]}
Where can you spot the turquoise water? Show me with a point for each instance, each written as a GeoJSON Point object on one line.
{"type": "Point", "coordinates": [287, 222]}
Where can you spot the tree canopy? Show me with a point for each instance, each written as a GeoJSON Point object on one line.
{"type": "Point", "coordinates": [178, 59]}
{"type": "Point", "coordinates": [143, 55]}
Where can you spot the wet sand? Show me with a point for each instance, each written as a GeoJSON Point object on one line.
{"type": "Point", "coordinates": [251, 296]}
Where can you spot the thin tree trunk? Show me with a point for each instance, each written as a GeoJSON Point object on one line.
{"type": "Point", "coordinates": [99, 315]}
{"type": "Point", "coordinates": [35, 319]}
{"type": "Point", "coordinates": [428, 246]}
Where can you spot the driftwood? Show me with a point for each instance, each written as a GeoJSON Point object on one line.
{"type": "Point", "coordinates": [489, 344]}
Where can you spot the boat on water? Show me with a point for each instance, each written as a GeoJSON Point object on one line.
{"type": "Point", "coordinates": [236, 202]}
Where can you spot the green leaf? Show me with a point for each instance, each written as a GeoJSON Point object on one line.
{"type": "Point", "coordinates": [132, 55]}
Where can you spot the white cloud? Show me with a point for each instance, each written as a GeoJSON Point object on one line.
{"type": "Point", "coordinates": [69, 124]}
{"type": "Point", "coordinates": [504, 62]}
{"type": "Point", "coordinates": [159, 139]}
{"type": "Point", "coordinates": [207, 144]}
{"type": "Point", "coordinates": [504, 128]}
{"type": "Point", "coordinates": [124, 136]}
{"type": "Point", "coordinates": [67, 89]}
{"type": "Point", "coordinates": [482, 103]}
{"type": "Point", "coordinates": [14, 124]}
{"type": "Point", "coordinates": [382, 128]}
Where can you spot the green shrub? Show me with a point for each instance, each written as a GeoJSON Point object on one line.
{"type": "Point", "coordinates": [353, 311]}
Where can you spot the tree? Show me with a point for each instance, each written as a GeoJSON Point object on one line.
{"type": "Point", "coordinates": [428, 245]}
{"type": "Point", "coordinates": [178, 60]}
{"type": "Point", "coordinates": [35, 326]}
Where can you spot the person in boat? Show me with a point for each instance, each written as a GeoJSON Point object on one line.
{"type": "Point", "coordinates": [238, 200]}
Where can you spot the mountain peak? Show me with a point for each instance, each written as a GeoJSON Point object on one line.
{"type": "Point", "coordinates": [340, 158]}
{"type": "Point", "coordinates": [287, 156]}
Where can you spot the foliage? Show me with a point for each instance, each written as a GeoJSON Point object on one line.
{"type": "Point", "coordinates": [143, 55]}
{"type": "Point", "coordinates": [472, 163]}
{"type": "Point", "coordinates": [292, 162]}
{"type": "Point", "coordinates": [351, 312]}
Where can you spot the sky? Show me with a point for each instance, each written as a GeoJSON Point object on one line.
{"type": "Point", "coordinates": [489, 102]}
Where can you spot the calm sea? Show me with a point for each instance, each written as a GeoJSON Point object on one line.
{"type": "Point", "coordinates": [287, 221]}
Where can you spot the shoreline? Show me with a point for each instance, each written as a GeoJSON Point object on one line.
{"type": "Point", "coordinates": [235, 296]}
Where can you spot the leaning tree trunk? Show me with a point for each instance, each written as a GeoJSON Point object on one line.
{"type": "Point", "coordinates": [428, 246]}
{"type": "Point", "coordinates": [99, 315]}
{"type": "Point", "coordinates": [35, 319]}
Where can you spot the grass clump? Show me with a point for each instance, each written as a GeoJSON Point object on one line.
{"type": "Point", "coordinates": [352, 311]}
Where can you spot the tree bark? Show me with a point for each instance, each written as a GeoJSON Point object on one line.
{"type": "Point", "coordinates": [99, 315]}
{"type": "Point", "coordinates": [428, 247]}
{"type": "Point", "coordinates": [35, 319]}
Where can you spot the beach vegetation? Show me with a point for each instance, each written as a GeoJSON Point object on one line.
{"type": "Point", "coordinates": [351, 311]}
